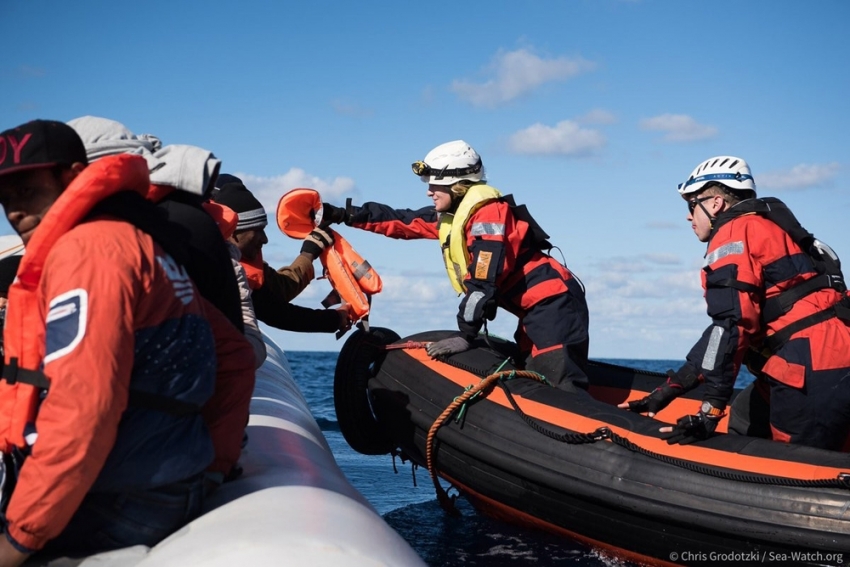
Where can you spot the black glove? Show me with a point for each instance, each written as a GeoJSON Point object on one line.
{"type": "Point", "coordinates": [316, 241]}
{"type": "Point", "coordinates": [660, 397]}
{"type": "Point", "coordinates": [447, 346]}
{"type": "Point", "coordinates": [333, 215]}
{"type": "Point", "coordinates": [690, 428]}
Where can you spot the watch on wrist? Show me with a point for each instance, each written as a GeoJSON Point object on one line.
{"type": "Point", "coordinates": [711, 411]}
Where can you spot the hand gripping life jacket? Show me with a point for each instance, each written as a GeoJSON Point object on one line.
{"type": "Point", "coordinates": [24, 332]}
{"type": "Point", "coordinates": [452, 231]}
{"type": "Point", "coordinates": [353, 279]}
{"type": "Point", "coordinates": [825, 261]}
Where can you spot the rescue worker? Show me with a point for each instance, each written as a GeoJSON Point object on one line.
{"type": "Point", "coordinates": [273, 290]}
{"type": "Point", "coordinates": [109, 356]}
{"type": "Point", "coordinates": [778, 303]}
{"type": "Point", "coordinates": [494, 256]}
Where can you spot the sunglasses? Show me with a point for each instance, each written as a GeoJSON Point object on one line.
{"type": "Point", "coordinates": [692, 204]}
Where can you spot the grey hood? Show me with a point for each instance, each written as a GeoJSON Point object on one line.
{"type": "Point", "coordinates": [188, 168]}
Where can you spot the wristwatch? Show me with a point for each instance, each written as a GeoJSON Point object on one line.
{"type": "Point", "coordinates": [711, 411]}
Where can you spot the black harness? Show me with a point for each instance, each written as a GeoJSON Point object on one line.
{"type": "Point", "coordinates": [825, 261]}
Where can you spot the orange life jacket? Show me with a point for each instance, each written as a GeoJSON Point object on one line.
{"type": "Point", "coordinates": [225, 218]}
{"type": "Point", "coordinates": [354, 280]}
{"type": "Point", "coordinates": [352, 277]}
{"type": "Point", "coordinates": [24, 332]}
{"type": "Point", "coordinates": [298, 212]}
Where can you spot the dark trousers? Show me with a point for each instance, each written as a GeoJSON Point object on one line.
{"type": "Point", "coordinates": [106, 521]}
{"type": "Point", "coordinates": [817, 415]}
{"type": "Point", "coordinates": [555, 334]}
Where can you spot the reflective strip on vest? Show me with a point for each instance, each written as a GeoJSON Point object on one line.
{"type": "Point", "coordinates": [482, 228]}
{"type": "Point", "coordinates": [725, 250]}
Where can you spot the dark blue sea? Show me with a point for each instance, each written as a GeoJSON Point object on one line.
{"type": "Point", "coordinates": [411, 507]}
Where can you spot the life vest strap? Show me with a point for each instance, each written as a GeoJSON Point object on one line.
{"type": "Point", "coordinates": [331, 299]}
{"type": "Point", "coordinates": [737, 284]}
{"type": "Point", "coordinates": [361, 269]}
{"type": "Point", "coordinates": [775, 307]}
{"type": "Point", "coordinates": [841, 310]}
{"type": "Point", "coordinates": [13, 374]}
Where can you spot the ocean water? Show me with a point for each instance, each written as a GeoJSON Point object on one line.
{"type": "Point", "coordinates": [405, 497]}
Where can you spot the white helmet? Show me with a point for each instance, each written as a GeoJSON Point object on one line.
{"type": "Point", "coordinates": [449, 163]}
{"type": "Point", "coordinates": [730, 171]}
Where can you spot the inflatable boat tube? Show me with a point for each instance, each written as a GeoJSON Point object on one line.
{"type": "Point", "coordinates": [291, 506]}
{"type": "Point", "coordinates": [574, 464]}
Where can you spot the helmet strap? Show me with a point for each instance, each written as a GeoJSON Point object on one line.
{"type": "Point", "coordinates": [708, 215]}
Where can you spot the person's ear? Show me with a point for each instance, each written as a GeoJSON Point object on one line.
{"type": "Point", "coordinates": [70, 173]}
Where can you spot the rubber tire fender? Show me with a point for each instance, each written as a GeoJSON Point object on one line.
{"type": "Point", "coordinates": [359, 360]}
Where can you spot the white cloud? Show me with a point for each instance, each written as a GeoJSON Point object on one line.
{"type": "Point", "coordinates": [802, 176]}
{"type": "Point", "coordinates": [269, 190]}
{"type": "Point", "coordinates": [662, 258]}
{"type": "Point", "coordinates": [597, 116]}
{"type": "Point", "coordinates": [679, 128]}
{"type": "Point", "coordinates": [565, 138]}
{"type": "Point", "coordinates": [516, 73]}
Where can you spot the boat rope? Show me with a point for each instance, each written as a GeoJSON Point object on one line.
{"type": "Point", "coordinates": [484, 387]}
{"type": "Point", "coordinates": [602, 433]}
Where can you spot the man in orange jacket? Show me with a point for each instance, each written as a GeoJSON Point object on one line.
{"type": "Point", "coordinates": [110, 356]}
{"type": "Point", "coordinates": [778, 303]}
{"type": "Point", "coordinates": [495, 256]}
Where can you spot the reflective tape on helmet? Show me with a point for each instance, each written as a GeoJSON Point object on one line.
{"type": "Point", "coordinates": [715, 177]}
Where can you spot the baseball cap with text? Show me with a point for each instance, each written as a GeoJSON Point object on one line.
{"type": "Point", "coordinates": [39, 143]}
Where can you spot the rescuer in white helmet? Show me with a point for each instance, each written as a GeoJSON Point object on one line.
{"type": "Point", "coordinates": [778, 303]}
{"type": "Point", "coordinates": [495, 255]}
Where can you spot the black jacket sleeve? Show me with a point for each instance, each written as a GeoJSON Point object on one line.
{"type": "Point", "coordinates": [289, 317]}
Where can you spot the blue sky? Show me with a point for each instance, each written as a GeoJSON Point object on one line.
{"type": "Point", "coordinates": [589, 112]}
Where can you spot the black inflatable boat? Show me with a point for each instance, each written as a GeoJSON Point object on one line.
{"type": "Point", "coordinates": [572, 463]}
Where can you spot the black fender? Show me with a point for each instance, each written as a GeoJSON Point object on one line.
{"type": "Point", "coordinates": [359, 360]}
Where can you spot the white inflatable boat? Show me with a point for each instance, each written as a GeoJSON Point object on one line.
{"type": "Point", "coordinates": [291, 506]}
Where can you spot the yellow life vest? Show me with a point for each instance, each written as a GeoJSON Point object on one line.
{"type": "Point", "coordinates": [453, 233]}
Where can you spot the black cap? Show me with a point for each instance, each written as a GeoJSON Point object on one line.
{"type": "Point", "coordinates": [233, 193]}
{"type": "Point", "coordinates": [40, 143]}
